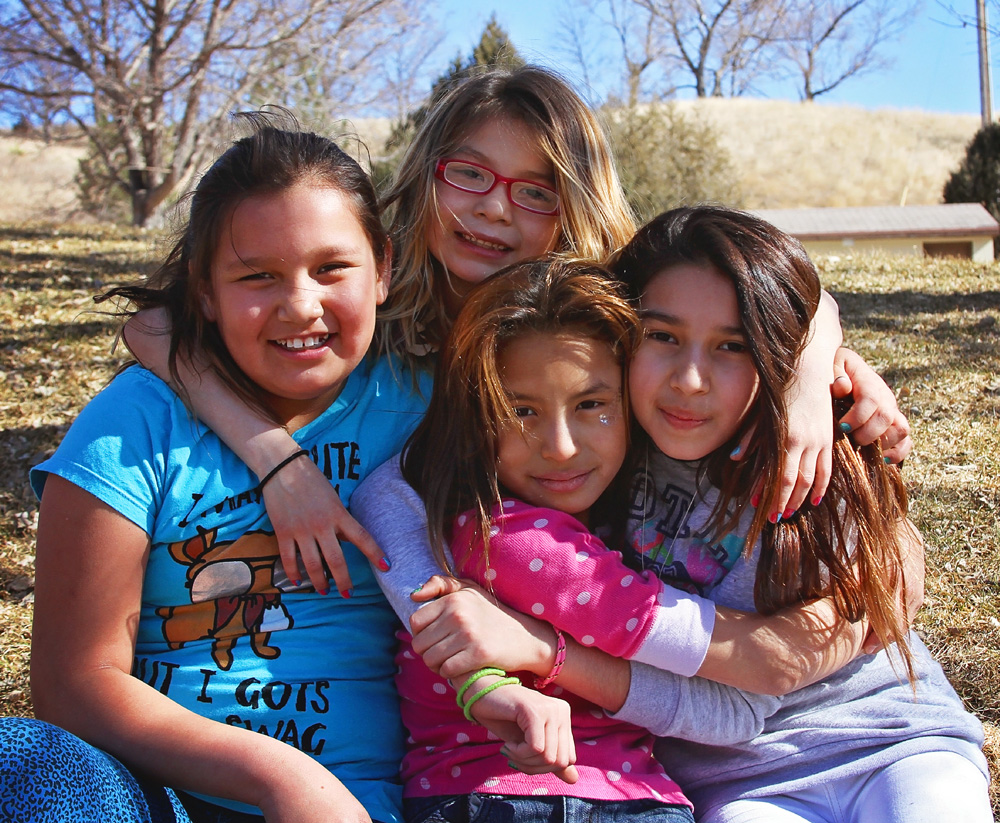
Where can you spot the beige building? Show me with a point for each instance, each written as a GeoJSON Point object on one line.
{"type": "Point", "coordinates": [949, 229]}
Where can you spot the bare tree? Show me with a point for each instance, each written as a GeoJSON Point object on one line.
{"type": "Point", "coordinates": [831, 42]}
{"type": "Point", "coordinates": [724, 45]}
{"type": "Point", "coordinates": [966, 16]}
{"type": "Point", "coordinates": [152, 82]}
{"type": "Point", "coordinates": [635, 47]}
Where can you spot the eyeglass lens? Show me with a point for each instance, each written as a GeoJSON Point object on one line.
{"type": "Point", "coordinates": [527, 195]}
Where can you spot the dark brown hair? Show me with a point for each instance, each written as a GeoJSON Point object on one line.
{"type": "Point", "coordinates": [849, 546]}
{"type": "Point", "coordinates": [275, 156]}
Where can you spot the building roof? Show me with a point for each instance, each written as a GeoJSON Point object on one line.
{"type": "Point", "coordinates": [942, 220]}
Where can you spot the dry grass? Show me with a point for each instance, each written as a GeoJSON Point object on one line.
{"type": "Point", "coordinates": [54, 355]}
{"type": "Point", "coordinates": [932, 327]}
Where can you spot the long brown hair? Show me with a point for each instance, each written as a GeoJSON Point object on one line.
{"type": "Point", "coordinates": [275, 156]}
{"type": "Point", "coordinates": [594, 215]}
{"type": "Point", "coordinates": [849, 546]}
{"type": "Point", "coordinates": [451, 457]}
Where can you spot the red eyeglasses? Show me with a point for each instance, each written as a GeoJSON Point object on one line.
{"type": "Point", "coordinates": [471, 177]}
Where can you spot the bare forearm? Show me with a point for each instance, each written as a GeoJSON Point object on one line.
{"type": "Point", "coordinates": [781, 652]}
{"type": "Point", "coordinates": [154, 735]}
{"type": "Point", "coordinates": [258, 441]}
{"type": "Point", "coordinates": [815, 372]}
{"type": "Point", "coordinates": [595, 676]}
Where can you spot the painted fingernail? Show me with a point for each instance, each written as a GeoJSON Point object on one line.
{"type": "Point", "coordinates": [418, 588]}
{"type": "Point", "coordinates": [736, 452]}
{"type": "Point", "coordinates": [845, 428]}
{"type": "Point", "coordinates": [774, 518]}
{"type": "Point", "coordinates": [384, 564]}
{"type": "Point", "coordinates": [888, 462]}
{"type": "Point", "coordinates": [346, 593]}
{"type": "Point", "coordinates": [755, 500]}
{"type": "Point", "coordinates": [324, 592]}
{"type": "Point", "coordinates": [817, 500]}
{"type": "Point", "coordinates": [296, 583]}
{"type": "Point", "coordinates": [787, 514]}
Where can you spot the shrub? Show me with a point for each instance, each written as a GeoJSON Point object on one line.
{"type": "Point", "coordinates": [666, 158]}
{"type": "Point", "coordinates": [977, 179]}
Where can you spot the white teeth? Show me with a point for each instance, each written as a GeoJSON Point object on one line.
{"type": "Point", "coordinates": [485, 243]}
{"type": "Point", "coordinates": [303, 342]}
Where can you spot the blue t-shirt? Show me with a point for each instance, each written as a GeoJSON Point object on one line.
{"type": "Point", "coordinates": [222, 630]}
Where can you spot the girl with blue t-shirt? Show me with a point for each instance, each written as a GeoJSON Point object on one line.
{"type": "Point", "coordinates": [169, 647]}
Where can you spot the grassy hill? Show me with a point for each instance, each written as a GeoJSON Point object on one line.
{"type": "Point", "coordinates": [787, 154]}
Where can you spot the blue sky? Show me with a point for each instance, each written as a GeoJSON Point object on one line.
{"type": "Point", "coordinates": [934, 62]}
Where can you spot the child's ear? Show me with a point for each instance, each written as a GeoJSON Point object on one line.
{"type": "Point", "coordinates": [384, 275]}
{"type": "Point", "coordinates": [205, 297]}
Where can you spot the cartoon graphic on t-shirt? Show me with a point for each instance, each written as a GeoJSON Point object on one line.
{"type": "Point", "coordinates": [667, 542]}
{"type": "Point", "coordinates": [233, 594]}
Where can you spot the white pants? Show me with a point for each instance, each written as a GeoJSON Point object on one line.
{"type": "Point", "coordinates": [935, 787]}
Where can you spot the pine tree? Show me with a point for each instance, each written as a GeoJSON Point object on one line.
{"type": "Point", "coordinates": [977, 179]}
{"type": "Point", "coordinates": [494, 49]}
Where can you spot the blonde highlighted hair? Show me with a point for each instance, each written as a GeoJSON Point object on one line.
{"type": "Point", "coordinates": [595, 219]}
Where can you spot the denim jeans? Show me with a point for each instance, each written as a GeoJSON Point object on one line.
{"type": "Point", "coordinates": [488, 808]}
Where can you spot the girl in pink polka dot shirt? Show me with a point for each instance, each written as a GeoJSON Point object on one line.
{"type": "Point", "coordinates": [522, 452]}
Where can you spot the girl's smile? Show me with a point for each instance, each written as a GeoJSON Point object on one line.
{"type": "Point", "coordinates": [571, 437]}
{"type": "Point", "coordinates": [476, 234]}
{"type": "Point", "coordinates": [693, 380]}
{"type": "Point", "coordinates": [293, 292]}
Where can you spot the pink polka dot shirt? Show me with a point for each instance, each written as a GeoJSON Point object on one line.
{"type": "Point", "coordinates": [542, 562]}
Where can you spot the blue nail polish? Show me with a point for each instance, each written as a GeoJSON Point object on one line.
{"type": "Point", "coordinates": [888, 462]}
{"type": "Point", "coordinates": [736, 452]}
{"type": "Point", "coordinates": [845, 428]}
{"type": "Point", "coordinates": [346, 594]}
{"type": "Point", "coordinates": [384, 564]}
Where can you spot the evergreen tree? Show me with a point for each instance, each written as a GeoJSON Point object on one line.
{"type": "Point", "coordinates": [494, 49]}
{"type": "Point", "coordinates": [977, 179]}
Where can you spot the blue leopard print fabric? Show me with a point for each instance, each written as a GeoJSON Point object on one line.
{"type": "Point", "coordinates": [48, 775]}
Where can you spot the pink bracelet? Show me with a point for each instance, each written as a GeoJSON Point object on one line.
{"type": "Point", "coordinates": [542, 682]}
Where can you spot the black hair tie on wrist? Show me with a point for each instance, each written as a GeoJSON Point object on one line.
{"type": "Point", "coordinates": [270, 475]}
